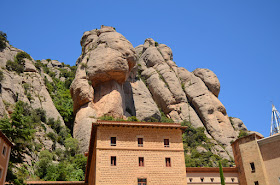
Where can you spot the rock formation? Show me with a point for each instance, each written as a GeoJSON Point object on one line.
{"type": "Point", "coordinates": [103, 67]}
{"type": "Point", "coordinates": [108, 82]}
{"type": "Point", "coordinates": [115, 79]}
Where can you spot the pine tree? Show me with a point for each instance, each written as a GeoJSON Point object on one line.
{"type": "Point", "coordinates": [221, 173]}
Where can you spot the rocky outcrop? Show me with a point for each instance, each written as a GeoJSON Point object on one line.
{"type": "Point", "coordinates": [81, 92]}
{"type": "Point", "coordinates": [145, 107]}
{"type": "Point", "coordinates": [210, 80]}
{"type": "Point", "coordinates": [155, 84]}
{"type": "Point", "coordinates": [183, 95]}
{"type": "Point", "coordinates": [29, 66]}
{"type": "Point", "coordinates": [108, 82]}
{"type": "Point", "coordinates": [106, 61]}
{"type": "Point", "coordinates": [238, 124]}
{"type": "Point", "coordinates": [8, 53]}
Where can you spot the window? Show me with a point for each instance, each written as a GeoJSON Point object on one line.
{"type": "Point", "coordinates": [140, 142]}
{"type": "Point", "coordinates": [142, 181]}
{"type": "Point", "coordinates": [113, 141]}
{"type": "Point", "coordinates": [113, 161]}
{"type": "Point", "coordinates": [168, 162]}
{"type": "Point", "coordinates": [256, 182]}
{"type": "Point", "coordinates": [212, 179]}
{"type": "Point", "coordinates": [232, 179]}
{"type": "Point", "coordinates": [201, 179]}
{"type": "Point", "coordinates": [190, 179]}
{"type": "Point", "coordinates": [141, 161]}
{"type": "Point", "coordinates": [4, 151]}
{"type": "Point", "coordinates": [166, 142]}
{"type": "Point", "coordinates": [252, 167]}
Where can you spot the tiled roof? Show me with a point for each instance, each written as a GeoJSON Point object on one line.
{"type": "Point", "coordinates": [2, 135]}
{"type": "Point", "coordinates": [140, 124]}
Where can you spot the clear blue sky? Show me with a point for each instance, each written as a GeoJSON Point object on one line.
{"type": "Point", "coordinates": [239, 40]}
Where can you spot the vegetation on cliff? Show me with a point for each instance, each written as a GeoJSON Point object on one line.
{"type": "Point", "coordinates": [59, 90]}
{"type": "Point", "coordinates": [199, 149]}
{"type": "Point", "coordinates": [20, 128]}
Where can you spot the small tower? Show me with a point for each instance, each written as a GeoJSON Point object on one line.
{"type": "Point", "coordinates": [275, 116]}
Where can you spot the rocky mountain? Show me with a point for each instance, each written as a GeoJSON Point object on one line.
{"type": "Point", "coordinates": [36, 108]}
{"type": "Point", "coordinates": [115, 79]}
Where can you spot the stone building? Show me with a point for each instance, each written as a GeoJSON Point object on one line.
{"type": "Point", "coordinates": [136, 153]}
{"type": "Point", "coordinates": [5, 149]}
{"type": "Point", "coordinates": [211, 175]}
{"type": "Point", "coordinates": [258, 159]}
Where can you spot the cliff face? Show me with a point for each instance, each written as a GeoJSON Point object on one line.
{"type": "Point", "coordinates": [21, 81]}
{"type": "Point", "coordinates": [113, 78]}
{"type": "Point", "coordinates": [28, 86]}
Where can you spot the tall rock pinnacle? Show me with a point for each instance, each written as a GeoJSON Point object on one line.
{"type": "Point", "coordinates": [106, 61]}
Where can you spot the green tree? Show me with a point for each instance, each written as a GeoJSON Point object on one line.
{"type": "Point", "coordinates": [80, 162]}
{"type": "Point", "coordinates": [19, 130]}
{"type": "Point", "coordinates": [71, 146]}
{"type": "Point", "coordinates": [44, 163]}
{"type": "Point", "coordinates": [221, 173]}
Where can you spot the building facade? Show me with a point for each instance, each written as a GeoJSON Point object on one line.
{"type": "Point", "coordinates": [258, 159]}
{"type": "Point", "coordinates": [136, 153]}
{"type": "Point", "coordinates": [5, 149]}
{"type": "Point", "coordinates": [211, 175]}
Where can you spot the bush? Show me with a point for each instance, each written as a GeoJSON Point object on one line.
{"type": "Point", "coordinates": [52, 136]}
{"type": "Point", "coordinates": [18, 64]}
{"type": "Point", "coordinates": [3, 40]}
{"type": "Point", "coordinates": [152, 119]}
{"type": "Point", "coordinates": [39, 64]}
{"type": "Point", "coordinates": [40, 115]}
{"type": "Point", "coordinates": [29, 96]}
{"type": "Point", "coordinates": [21, 56]}
{"type": "Point", "coordinates": [71, 146]}
{"type": "Point", "coordinates": [165, 119]}
{"type": "Point", "coordinates": [26, 87]}
{"type": "Point", "coordinates": [156, 44]}
{"type": "Point", "coordinates": [1, 76]}
{"type": "Point", "coordinates": [132, 118]}
{"type": "Point", "coordinates": [242, 133]}
{"type": "Point", "coordinates": [83, 66]}
{"type": "Point", "coordinates": [45, 161]}
{"type": "Point", "coordinates": [14, 66]}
